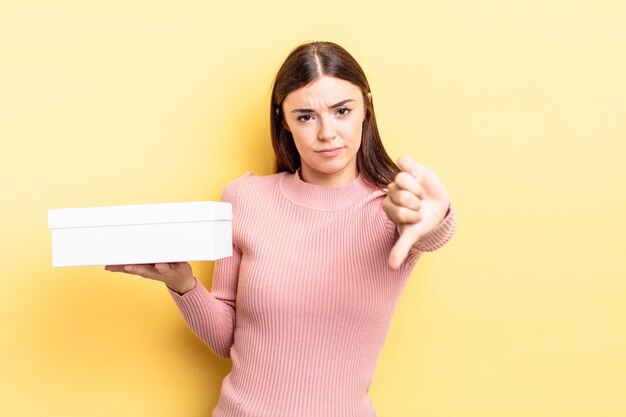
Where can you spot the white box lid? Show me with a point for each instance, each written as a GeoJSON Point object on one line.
{"type": "Point", "coordinates": [139, 214]}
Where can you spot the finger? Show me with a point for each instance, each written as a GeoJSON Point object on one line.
{"type": "Point", "coordinates": [404, 215]}
{"type": "Point", "coordinates": [163, 268]}
{"type": "Point", "coordinates": [430, 182]}
{"type": "Point", "coordinates": [405, 198]}
{"type": "Point", "coordinates": [114, 268]}
{"type": "Point", "coordinates": [400, 251]}
{"type": "Point", "coordinates": [144, 270]}
{"type": "Point", "coordinates": [406, 181]}
{"type": "Point", "coordinates": [433, 185]}
{"type": "Point", "coordinates": [177, 266]}
{"type": "Point", "coordinates": [407, 164]}
{"type": "Point", "coordinates": [128, 269]}
{"type": "Point", "coordinates": [400, 215]}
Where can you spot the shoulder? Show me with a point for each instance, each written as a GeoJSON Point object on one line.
{"type": "Point", "coordinates": [249, 183]}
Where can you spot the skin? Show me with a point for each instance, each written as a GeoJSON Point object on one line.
{"type": "Point", "coordinates": [325, 118]}
{"type": "Point", "coordinates": [417, 202]}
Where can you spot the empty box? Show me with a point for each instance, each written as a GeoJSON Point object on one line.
{"type": "Point", "coordinates": [139, 234]}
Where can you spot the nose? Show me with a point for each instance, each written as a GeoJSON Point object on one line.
{"type": "Point", "coordinates": [327, 130]}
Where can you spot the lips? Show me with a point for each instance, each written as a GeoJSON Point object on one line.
{"type": "Point", "coordinates": [330, 152]}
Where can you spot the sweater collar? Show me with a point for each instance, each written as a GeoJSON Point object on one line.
{"type": "Point", "coordinates": [321, 197]}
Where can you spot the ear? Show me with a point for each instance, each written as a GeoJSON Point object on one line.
{"type": "Point", "coordinates": [369, 96]}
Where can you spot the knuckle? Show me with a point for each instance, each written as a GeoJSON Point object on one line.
{"type": "Point", "coordinates": [394, 198]}
{"type": "Point", "coordinates": [403, 178]}
{"type": "Point", "coordinates": [396, 216]}
{"type": "Point", "coordinates": [407, 199]}
{"type": "Point", "coordinates": [404, 199]}
{"type": "Point", "coordinates": [405, 215]}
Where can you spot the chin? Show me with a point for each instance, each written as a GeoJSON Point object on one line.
{"type": "Point", "coordinates": [333, 167]}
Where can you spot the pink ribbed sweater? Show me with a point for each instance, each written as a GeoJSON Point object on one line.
{"type": "Point", "coordinates": [304, 304]}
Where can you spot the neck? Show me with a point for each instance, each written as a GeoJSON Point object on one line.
{"type": "Point", "coordinates": [320, 197]}
{"type": "Point", "coordinates": [335, 179]}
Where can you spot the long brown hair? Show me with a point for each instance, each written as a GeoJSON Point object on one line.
{"type": "Point", "coordinates": [305, 64]}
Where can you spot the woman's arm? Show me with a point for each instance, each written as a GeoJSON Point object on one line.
{"type": "Point", "coordinates": [210, 315]}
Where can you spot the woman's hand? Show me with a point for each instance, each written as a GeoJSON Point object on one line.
{"type": "Point", "coordinates": [177, 276]}
{"type": "Point", "coordinates": [417, 202]}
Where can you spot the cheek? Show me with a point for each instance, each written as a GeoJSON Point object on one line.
{"type": "Point", "coordinates": [302, 139]}
{"type": "Point", "coordinates": [304, 133]}
{"type": "Point", "coordinates": [356, 133]}
{"type": "Point", "coordinates": [355, 128]}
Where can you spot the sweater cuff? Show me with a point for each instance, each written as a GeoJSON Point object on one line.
{"type": "Point", "coordinates": [195, 285]}
{"type": "Point", "coordinates": [440, 235]}
{"type": "Point", "coordinates": [190, 301]}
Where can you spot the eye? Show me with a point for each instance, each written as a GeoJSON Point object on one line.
{"type": "Point", "coordinates": [344, 111]}
{"type": "Point", "coordinates": [304, 118]}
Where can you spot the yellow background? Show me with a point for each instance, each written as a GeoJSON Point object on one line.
{"type": "Point", "coordinates": [520, 107]}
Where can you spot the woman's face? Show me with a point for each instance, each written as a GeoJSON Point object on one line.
{"type": "Point", "coordinates": [325, 119]}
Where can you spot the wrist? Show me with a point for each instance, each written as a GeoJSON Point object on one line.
{"type": "Point", "coordinates": [183, 286]}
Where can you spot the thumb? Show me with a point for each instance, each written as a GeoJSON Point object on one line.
{"type": "Point", "coordinates": [400, 250]}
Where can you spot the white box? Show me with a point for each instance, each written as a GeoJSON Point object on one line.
{"type": "Point", "coordinates": [139, 234]}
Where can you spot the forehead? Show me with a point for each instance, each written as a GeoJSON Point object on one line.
{"type": "Point", "coordinates": [323, 91]}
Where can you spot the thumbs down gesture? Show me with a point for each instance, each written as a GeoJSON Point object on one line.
{"type": "Point", "coordinates": [417, 202]}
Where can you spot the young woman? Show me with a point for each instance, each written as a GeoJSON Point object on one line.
{"type": "Point", "coordinates": [321, 250]}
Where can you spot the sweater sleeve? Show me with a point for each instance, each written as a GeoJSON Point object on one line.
{"type": "Point", "coordinates": [211, 315]}
{"type": "Point", "coordinates": [440, 235]}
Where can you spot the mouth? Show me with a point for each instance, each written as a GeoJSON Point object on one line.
{"type": "Point", "coordinates": [329, 152]}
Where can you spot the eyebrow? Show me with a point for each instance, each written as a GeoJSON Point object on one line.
{"type": "Point", "coordinates": [334, 106]}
